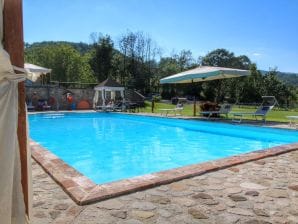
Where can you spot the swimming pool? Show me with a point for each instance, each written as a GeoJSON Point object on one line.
{"type": "Point", "coordinates": [107, 146]}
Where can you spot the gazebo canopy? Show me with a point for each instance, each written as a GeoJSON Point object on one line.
{"type": "Point", "coordinates": [109, 85]}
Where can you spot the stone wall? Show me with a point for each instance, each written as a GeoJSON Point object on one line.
{"type": "Point", "coordinates": [56, 96]}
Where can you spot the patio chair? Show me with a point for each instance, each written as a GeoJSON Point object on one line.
{"type": "Point", "coordinates": [267, 105]}
{"type": "Point", "coordinates": [177, 110]}
{"type": "Point", "coordinates": [224, 109]}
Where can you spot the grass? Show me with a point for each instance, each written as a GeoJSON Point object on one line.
{"type": "Point", "coordinates": [274, 115]}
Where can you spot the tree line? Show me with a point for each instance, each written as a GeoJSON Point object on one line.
{"type": "Point", "coordinates": [135, 60]}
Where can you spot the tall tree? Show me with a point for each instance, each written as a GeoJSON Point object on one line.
{"type": "Point", "coordinates": [66, 63]}
{"type": "Point", "coordinates": [139, 52]}
{"type": "Point", "coordinates": [220, 90]}
{"type": "Point", "coordinates": [101, 60]}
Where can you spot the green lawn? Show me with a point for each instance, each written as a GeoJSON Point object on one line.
{"type": "Point", "coordinates": [274, 115]}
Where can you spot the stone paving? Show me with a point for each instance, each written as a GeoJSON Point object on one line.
{"type": "Point", "coordinates": [260, 192]}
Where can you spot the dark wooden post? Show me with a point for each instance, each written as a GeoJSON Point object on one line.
{"type": "Point", "coordinates": [194, 106]}
{"type": "Point", "coordinates": [194, 100]}
{"type": "Point", "coordinates": [152, 105]}
{"type": "Point", "coordinates": [14, 45]}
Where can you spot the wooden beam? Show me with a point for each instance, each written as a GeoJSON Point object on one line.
{"type": "Point", "coordinates": [14, 45]}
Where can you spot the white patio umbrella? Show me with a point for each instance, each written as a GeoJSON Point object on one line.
{"type": "Point", "coordinates": [203, 74]}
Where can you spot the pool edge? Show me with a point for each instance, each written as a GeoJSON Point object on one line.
{"type": "Point", "coordinates": [84, 191]}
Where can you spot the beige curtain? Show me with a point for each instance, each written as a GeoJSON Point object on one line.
{"type": "Point", "coordinates": [12, 207]}
{"type": "Point", "coordinates": [95, 99]}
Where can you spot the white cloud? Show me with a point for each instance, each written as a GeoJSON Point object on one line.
{"type": "Point", "coordinates": [256, 54]}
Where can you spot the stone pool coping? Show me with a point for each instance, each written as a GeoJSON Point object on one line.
{"type": "Point", "coordinates": [84, 191]}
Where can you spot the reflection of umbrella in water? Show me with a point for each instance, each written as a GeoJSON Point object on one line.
{"type": "Point", "coordinates": [202, 74]}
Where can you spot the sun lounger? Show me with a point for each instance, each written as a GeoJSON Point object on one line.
{"type": "Point", "coordinates": [224, 109]}
{"type": "Point", "coordinates": [268, 103]}
{"type": "Point", "coordinates": [111, 107]}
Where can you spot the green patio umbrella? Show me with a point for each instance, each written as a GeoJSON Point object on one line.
{"type": "Point", "coordinates": [203, 74]}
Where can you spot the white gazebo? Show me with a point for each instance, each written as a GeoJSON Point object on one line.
{"type": "Point", "coordinates": [107, 86]}
{"type": "Point", "coordinates": [34, 71]}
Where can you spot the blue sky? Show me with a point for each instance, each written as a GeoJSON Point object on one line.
{"type": "Point", "coordinates": [264, 30]}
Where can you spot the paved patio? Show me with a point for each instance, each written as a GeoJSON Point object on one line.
{"type": "Point", "coordinates": [264, 191]}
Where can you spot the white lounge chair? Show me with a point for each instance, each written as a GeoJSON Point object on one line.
{"type": "Point", "coordinates": [267, 105]}
{"type": "Point", "coordinates": [224, 109]}
{"type": "Point", "coordinates": [177, 110]}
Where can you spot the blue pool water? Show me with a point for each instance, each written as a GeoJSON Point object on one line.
{"type": "Point", "coordinates": [107, 147]}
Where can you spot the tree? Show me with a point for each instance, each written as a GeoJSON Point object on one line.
{"type": "Point", "coordinates": [101, 59]}
{"type": "Point", "coordinates": [219, 90]}
{"type": "Point", "coordinates": [274, 87]}
{"type": "Point", "coordinates": [139, 52]}
{"type": "Point", "coordinates": [66, 63]}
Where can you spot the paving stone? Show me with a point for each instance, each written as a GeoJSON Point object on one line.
{"type": "Point", "coordinates": [254, 186]}
{"type": "Point", "coordinates": [62, 206]}
{"type": "Point", "coordinates": [38, 203]}
{"type": "Point", "coordinates": [143, 205]}
{"type": "Point", "coordinates": [252, 193]}
{"type": "Point", "coordinates": [277, 193]}
{"type": "Point", "coordinates": [142, 214]}
{"type": "Point", "coordinates": [119, 214]}
{"type": "Point", "coordinates": [54, 214]}
{"type": "Point", "coordinates": [260, 212]}
{"type": "Point", "coordinates": [230, 203]}
{"type": "Point", "coordinates": [164, 213]}
{"type": "Point", "coordinates": [226, 219]}
{"type": "Point", "coordinates": [237, 197]}
{"type": "Point", "coordinates": [202, 196]}
{"type": "Point", "coordinates": [180, 193]}
{"type": "Point", "coordinates": [209, 202]}
{"type": "Point", "coordinates": [215, 187]}
{"type": "Point", "coordinates": [178, 186]}
{"type": "Point", "coordinates": [40, 214]}
{"type": "Point", "coordinates": [184, 201]}
{"type": "Point", "coordinates": [176, 209]}
{"type": "Point", "coordinates": [110, 204]}
{"type": "Point", "coordinates": [240, 211]}
{"type": "Point", "coordinates": [161, 220]}
{"type": "Point", "coordinates": [159, 199]}
{"type": "Point", "coordinates": [197, 214]}
{"type": "Point", "coordinates": [256, 221]}
{"type": "Point", "coordinates": [130, 221]}
{"type": "Point", "coordinates": [233, 190]}
{"type": "Point", "coordinates": [293, 187]}
{"type": "Point", "coordinates": [294, 211]}
{"type": "Point", "coordinates": [220, 207]}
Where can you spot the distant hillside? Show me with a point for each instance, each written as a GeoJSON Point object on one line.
{"type": "Point", "coordinates": [288, 78]}
{"type": "Point", "coordinates": [80, 47]}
